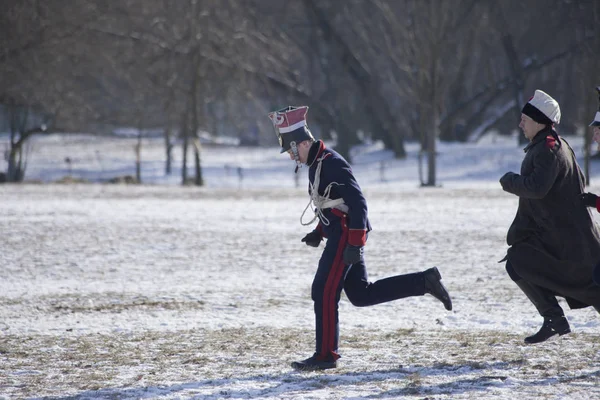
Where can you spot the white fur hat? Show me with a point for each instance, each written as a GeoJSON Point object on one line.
{"type": "Point", "coordinates": [542, 109]}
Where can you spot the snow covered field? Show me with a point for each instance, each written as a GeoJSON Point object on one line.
{"type": "Point", "coordinates": [164, 291]}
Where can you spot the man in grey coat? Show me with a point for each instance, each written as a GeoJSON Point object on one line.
{"type": "Point", "coordinates": [554, 242]}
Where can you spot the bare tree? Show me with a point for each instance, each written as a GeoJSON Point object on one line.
{"type": "Point", "coordinates": [419, 41]}
{"type": "Point", "coordinates": [397, 69]}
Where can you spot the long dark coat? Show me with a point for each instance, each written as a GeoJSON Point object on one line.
{"type": "Point", "coordinates": [554, 240]}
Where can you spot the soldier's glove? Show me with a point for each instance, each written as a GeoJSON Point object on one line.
{"type": "Point", "coordinates": [313, 239]}
{"type": "Point", "coordinates": [588, 199]}
{"type": "Point", "coordinates": [507, 179]}
{"type": "Point", "coordinates": [353, 254]}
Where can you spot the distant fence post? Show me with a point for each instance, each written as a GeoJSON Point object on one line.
{"type": "Point", "coordinates": [240, 173]}
{"type": "Point", "coordinates": [69, 163]}
{"type": "Point", "coordinates": [382, 171]}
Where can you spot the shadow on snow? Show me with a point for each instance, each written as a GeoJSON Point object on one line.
{"type": "Point", "coordinates": [295, 383]}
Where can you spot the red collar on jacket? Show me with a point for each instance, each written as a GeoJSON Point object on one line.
{"type": "Point", "coordinates": [315, 152]}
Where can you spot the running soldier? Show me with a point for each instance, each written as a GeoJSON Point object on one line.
{"type": "Point", "coordinates": [341, 210]}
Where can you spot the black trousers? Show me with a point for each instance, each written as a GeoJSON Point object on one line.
{"type": "Point", "coordinates": [333, 275]}
{"type": "Point", "coordinates": [543, 299]}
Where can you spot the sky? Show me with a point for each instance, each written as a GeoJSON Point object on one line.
{"type": "Point", "coordinates": [162, 291]}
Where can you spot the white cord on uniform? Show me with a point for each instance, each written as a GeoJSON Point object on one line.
{"type": "Point", "coordinates": [321, 202]}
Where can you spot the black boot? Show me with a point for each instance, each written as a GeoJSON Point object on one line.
{"type": "Point", "coordinates": [545, 302]}
{"type": "Point", "coordinates": [552, 326]}
{"type": "Point", "coordinates": [434, 287]}
{"type": "Point", "coordinates": [314, 364]}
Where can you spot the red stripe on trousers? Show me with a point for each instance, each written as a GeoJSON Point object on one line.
{"type": "Point", "coordinates": [329, 303]}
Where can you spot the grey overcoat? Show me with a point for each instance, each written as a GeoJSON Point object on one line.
{"type": "Point", "coordinates": [554, 242]}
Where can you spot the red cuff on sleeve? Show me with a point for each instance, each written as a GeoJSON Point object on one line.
{"type": "Point", "coordinates": [319, 229]}
{"type": "Point", "coordinates": [357, 237]}
{"type": "Point", "coordinates": [598, 204]}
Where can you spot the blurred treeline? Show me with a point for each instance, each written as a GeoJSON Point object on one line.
{"type": "Point", "coordinates": [394, 70]}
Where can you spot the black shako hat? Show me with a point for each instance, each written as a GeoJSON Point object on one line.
{"type": "Point", "coordinates": [290, 126]}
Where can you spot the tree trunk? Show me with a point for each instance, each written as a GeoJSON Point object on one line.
{"type": "Point", "coordinates": [14, 173]}
{"type": "Point", "coordinates": [198, 181]}
{"type": "Point", "coordinates": [169, 151]}
{"type": "Point", "coordinates": [518, 78]}
{"type": "Point", "coordinates": [185, 137]}
{"type": "Point", "coordinates": [138, 158]}
{"type": "Point", "coordinates": [432, 131]}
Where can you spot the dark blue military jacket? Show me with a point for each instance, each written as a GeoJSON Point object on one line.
{"type": "Point", "coordinates": [336, 169]}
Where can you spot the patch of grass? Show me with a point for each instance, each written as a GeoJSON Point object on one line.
{"type": "Point", "coordinates": [451, 359]}
{"type": "Point", "coordinates": [414, 384]}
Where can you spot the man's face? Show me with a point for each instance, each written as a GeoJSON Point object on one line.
{"type": "Point", "coordinates": [530, 127]}
{"type": "Point", "coordinates": [303, 148]}
{"type": "Point", "coordinates": [596, 137]}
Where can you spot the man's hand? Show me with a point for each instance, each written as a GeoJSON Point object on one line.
{"type": "Point", "coordinates": [353, 254]}
{"type": "Point", "coordinates": [313, 239]}
{"type": "Point", "coordinates": [588, 199]}
{"type": "Point", "coordinates": [506, 179]}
